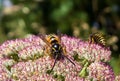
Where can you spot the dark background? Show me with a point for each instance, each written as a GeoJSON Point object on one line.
{"type": "Point", "coordinates": [80, 18]}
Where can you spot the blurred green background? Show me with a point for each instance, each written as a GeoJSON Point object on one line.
{"type": "Point", "coordinates": [79, 18]}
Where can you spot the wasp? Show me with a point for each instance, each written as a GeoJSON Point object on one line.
{"type": "Point", "coordinates": [54, 48]}
{"type": "Point", "coordinates": [97, 38]}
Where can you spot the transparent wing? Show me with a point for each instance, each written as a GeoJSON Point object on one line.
{"type": "Point", "coordinates": [43, 37]}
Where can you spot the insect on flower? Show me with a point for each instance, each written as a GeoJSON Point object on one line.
{"type": "Point", "coordinates": [97, 38]}
{"type": "Point", "coordinates": [54, 48]}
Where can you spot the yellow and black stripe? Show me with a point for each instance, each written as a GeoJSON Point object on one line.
{"type": "Point", "coordinates": [97, 38]}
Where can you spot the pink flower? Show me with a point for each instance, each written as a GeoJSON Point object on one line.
{"type": "Point", "coordinates": [24, 60]}
{"type": "Point", "coordinates": [117, 78]}
{"type": "Point", "coordinates": [39, 68]}
{"type": "Point", "coordinates": [91, 52]}
{"type": "Point", "coordinates": [99, 71]}
{"type": "Point", "coordinates": [12, 46]}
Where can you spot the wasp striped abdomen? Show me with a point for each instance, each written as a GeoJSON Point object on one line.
{"type": "Point", "coordinates": [97, 38]}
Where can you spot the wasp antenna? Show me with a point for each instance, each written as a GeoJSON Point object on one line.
{"type": "Point", "coordinates": [59, 34]}
{"type": "Point", "coordinates": [58, 31]}
{"type": "Point", "coordinates": [69, 60]}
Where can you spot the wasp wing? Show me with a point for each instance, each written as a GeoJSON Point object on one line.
{"type": "Point", "coordinates": [43, 37]}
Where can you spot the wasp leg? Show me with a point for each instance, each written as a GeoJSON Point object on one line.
{"type": "Point", "coordinates": [64, 55]}
{"type": "Point", "coordinates": [64, 50]}
{"type": "Point", "coordinates": [69, 60]}
{"type": "Point", "coordinates": [54, 63]}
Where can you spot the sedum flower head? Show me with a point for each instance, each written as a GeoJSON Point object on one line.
{"type": "Point", "coordinates": [117, 78]}
{"type": "Point", "coordinates": [38, 70]}
{"type": "Point", "coordinates": [99, 71]}
{"type": "Point", "coordinates": [24, 60]}
{"type": "Point", "coordinates": [10, 46]}
{"type": "Point", "coordinates": [84, 49]}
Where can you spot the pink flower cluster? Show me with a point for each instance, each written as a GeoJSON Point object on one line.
{"type": "Point", "coordinates": [24, 60]}
{"type": "Point", "coordinates": [99, 71]}
{"type": "Point", "coordinates": [91, 52]}
{"type": "Point", "coordinates": [117, 78]}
